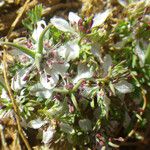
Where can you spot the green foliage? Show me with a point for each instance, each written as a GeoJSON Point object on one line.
{"type": "Point", "coordinates": [33, 17]}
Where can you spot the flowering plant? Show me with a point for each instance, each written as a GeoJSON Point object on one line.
{"type": "Point", "coordinates": [71, 83]}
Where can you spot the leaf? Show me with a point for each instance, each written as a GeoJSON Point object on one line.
{"type": "Point", "coordinates": [48, 135]}
{"type": "Point", "coordinates": [100, 18]}
{"type": "Point", "coordinates": [85, 125]}
{"type": "Point", "coordinates": [74, 101]}
{"type": "Point", "coordinates": [37, 123]}
{"type": "Point", "coordinates": [33, 17]}
{"type": "Point", "coordinates": [124, 87]}
{"type": "Point", "coordinates": [66, 128]}
{"type": "Point", "coordinates": [83, 72]}
{"type": "Point", "coordinates": [147, 55]}
{"type": "Point", "coordinates": [61, 24]}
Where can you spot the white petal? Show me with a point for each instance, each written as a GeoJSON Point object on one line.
{"type": "Point", "coordinates": [73, 18]}
{"type": "Point", "coordinates": [106, 63]}
{"type": "Point", "coordinates": [48, 135]}
{"type": "Point", "coordinates": [95, 49]}
{"type": "Point", "coordinates": [18, 82]}
{"type": "Point", "coordinates": [49, 82]}
{"type": "Point", "coordinates": [123, 3]}
{"type": "Point", "coordinates": [36, 124]}
{"type": "Point", "coordinates": [140, 53]}
{"type": "Point", "coordinates": [100, 18]}
{"type": "Point", "coordinates": [37, 32]}
{"type": "Point", "coordinates": [69, 51]}
{"type": "Point", "coordinates": [39, 91]}
{"type": "Point", "coordinates": [83, 72]}
{"type": "Point", "coordinates": [61, 24]}
{"type": "Point", "coordinates": [124, 87]}
{"type": "Point", "coordinates": [60, 69]}
{"type": "Point", "coordinates": [4, 94]}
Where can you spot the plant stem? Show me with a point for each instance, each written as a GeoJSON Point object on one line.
{"type": "Point", "coordinates": [61, 90]}
{"type": "Point", "coordinates": [40, 42]}
{"type": "Point", "coordinates": [22, 48]}
{"type": "Point", "coordinates": [16, 110]}
{"type": "Point", "coordinates": [75, 88]}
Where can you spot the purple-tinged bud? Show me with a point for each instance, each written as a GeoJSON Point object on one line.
{"type": "Point", "coordinates": [69, 86]}
{"type": "Point", "coordinates": [82, 28]}
{"type": "Point", "coordinates": [80, 22]}
{"type": "Point", "coordinates": [26, 78]}
{"type": "Point", "coordinates": [71, 108]}
{"type": "Point", "coordinates": [88, 31]}
{"type": "Point", "coordinates": [90, 23]}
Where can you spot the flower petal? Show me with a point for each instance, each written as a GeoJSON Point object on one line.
{"type": "Point", "coordinates": [140, 53]}
{"type": "Point", "coordinates": [37, 123]}
{"type": "Point", "coordinates": [124, 87]}
{"type": "Point", "coordinates": [100, 18]}
{"type": "Point", "coordinates": [19, 81]}
{"type": "Point", "coordinates": [60, 69]}
{"type": "Point", "coordinates": [39, 91]}
{"type": "Point", "coordinates": [69, 51]}
{"type": "Point", "coordinates": [48, 135]}
{"type": "Point", "coordinates": [73, 18]}
{"type": "Point", "coordinates": [123, 3]}
{"type": "Point", "coordinates": [61, 24]}
{"type": "Point", "coordinates": [106, 63]}
{"type": "Point", "coordinates": [49, 82]}
{"type": "Point", "coordinates": [83, 72]}
{"type": "Point", "coordinates": [4, 94]}
{"type": "Point", "coordinates": [37, 32]}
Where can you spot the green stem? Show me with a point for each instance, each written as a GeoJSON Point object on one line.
{"type": "Point", "coordinates": [75, 88]}
{"type": "Point", "coordinates": [61, 90]}
{"type": "Point", "coordinates": [22, 48]}
{"type": "Point", "coordinates": [40, 42]}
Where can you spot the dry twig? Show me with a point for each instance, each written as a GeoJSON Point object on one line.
{"type": "Point", "coordinates": [16, 110]}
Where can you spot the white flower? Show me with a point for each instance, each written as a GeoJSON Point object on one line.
{"type": "Point", "coordinates": [37, 32]}
{"type": "Point", "coordinates": [48, 135]}
{"type": "Point", "coordinates": [140, 54]}
{"type": "Point", "coordinates": [39, 91]}
{"type": "Point", "coordinates": [83, 72]}
{"type": "Point", "coordinates": [69, 51]}
{"type": "Point", "coordinates": [73, 18]}
{"type": "Point", "coordinates": [124, 87]}
{"type": "Point", "coordinates": [107, 62]}
{"type": "Point", "coordinates": [95, 49]}
{"type": "Point", "coordinates": [49, 82]}
{"type": "Point", "coordinates": [20, 79]}
{"type": "Point", "coordinates": [4, 94]}
{"type": "Point", "coordinates": [37, 123]}
{"type": "Point", "coordinates": [100, 18]}
{"type": "Point", "coordinates": [61, 24]}
{"type": "Point", "coordinates": [124, 3]}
